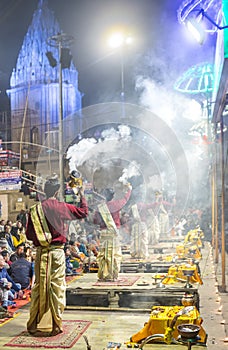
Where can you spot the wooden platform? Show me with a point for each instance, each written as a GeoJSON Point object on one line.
{"type": "Point", "coordinates": [158, 248]}
{"type": "Point", "coordinates": [142, 294]}
{"type": "Point", "coordinates": [154, 264]}
{"type": "Point", "coordinates": [175, 239]}
{"type": "Point", "coordinates": [144, 266]}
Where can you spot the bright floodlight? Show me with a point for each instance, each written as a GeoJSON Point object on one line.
{"type": "Point", "coordinates": [118, 39]}
{"type": "Point", "coordinates": [196, 30]}
{"type": "Point", "coordinates": [129, 40]}
{"type": "Point", "coordinates": [194, 24]}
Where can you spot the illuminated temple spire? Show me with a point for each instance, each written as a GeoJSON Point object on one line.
{"type": "Point", "coordinates": [35, 80]}
{"type": "Point", "coordinates": [32, 62]}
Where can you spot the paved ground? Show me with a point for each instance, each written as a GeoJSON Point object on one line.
{"type": "Point", "coordinates": [211, 304]}
{"type": "Point", "coordinates": [119, 326]}
{"type": "Point", "coordinates": [222, 296]}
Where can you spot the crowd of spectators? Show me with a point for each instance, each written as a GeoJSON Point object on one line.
{"type": "Point", "coordinates": [16, 261]}
{"type": "Point", "coordinates": [17, 256]}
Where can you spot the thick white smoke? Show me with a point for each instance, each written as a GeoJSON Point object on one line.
{"type": "Point", "coordinates": [76, 152]}
{"type": "Point", "coordinates": [166, 103]}
{"type": "Point", "coordinates": [130, 171]}
{"type": "Point", "coordinates": [184, 115]}
{"type": "Point", "coordinates": [155, 183]}
{"type": "Point", "coordinates": [90, 149]}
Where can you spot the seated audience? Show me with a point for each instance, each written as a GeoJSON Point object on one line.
{"type": "Point", "coordinates": [82, 246]}
{"type": "Point", "coordinates": [18, 234]}
{"type": "Point", "coordinates": [21, 271]}
{"type": "Point", "coordinates": [6, 285]}
{"type": "Point", "coordinates": [23, 217]}
{"type": "Point", "coordinates": [33, 258]}
{"type": "Point", "coordinates": [2, 224]}
{"type": "Point", "coordinates": [69, 264]}
{"type": "Point", "coordinates": [19, 250]}
{"type": "Point", "coordinates": [6, 234]}
{"type": "Point", "coordinates": [6, 257]}
{"type": "Point", "coordinates": [3, 244]}
{"type": "Point", "coordinates": [92, 248]}
{"type": "Point", "coordinates": [28, 253]}
{"type": "Point", "coordinates": [75, 252]}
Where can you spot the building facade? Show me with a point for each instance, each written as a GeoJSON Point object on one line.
{"type": "Point", "coordinates": [35, 88]}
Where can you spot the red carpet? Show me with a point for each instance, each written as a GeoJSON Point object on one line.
{"type": "Point", "coordinates": [122, 281]}
{"type": "Point", "coordinates": [13, 310]}
{"type": "Point", "coordinates": [72, 331]}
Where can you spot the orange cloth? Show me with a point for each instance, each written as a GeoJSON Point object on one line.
{"type": "Point", "coordinates": [176, 271]}
{"type": "Point", "coordinates": [188, 251]}
{"type": "Point", "coordinates": [160, 319]}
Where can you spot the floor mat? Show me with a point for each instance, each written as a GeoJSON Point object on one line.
{"type": "Point", "coordinates": [72, 331]}
{"type": "Point", "coordinates": [121, 281]}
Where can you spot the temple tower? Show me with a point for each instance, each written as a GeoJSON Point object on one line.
{"type": "Point", "coordinates": [34, 87]}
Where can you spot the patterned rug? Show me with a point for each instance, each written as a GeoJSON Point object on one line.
{"type": "Point", "coordinates": [121, 281]}
{"type": "Point", "coordinates": [72, 331]}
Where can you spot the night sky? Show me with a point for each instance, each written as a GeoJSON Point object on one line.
{"type": "Point", "coordinates": [162, 49]}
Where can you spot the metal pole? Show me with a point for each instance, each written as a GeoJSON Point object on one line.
{"type": "Point", "coordinates": [23, 122]}
{"type": "Point", "coordinates": [61, 171]}
{"type": "Point", "coordinates": [122, 73]}
{"type": "Point", "coordinates": [216, 246]}
{"type": "Point", "coordinates": [122, 95]}
{"type": "Point", "coordinates": [213, 206]}
{"type": "Point", "coordinates": [216, 222]}
{"type": "Point", "coordinates": [48, 130]}
{"type": "Point", "coordinates": [223, 250]}
{"type": "Point", "coordinates": [60, 41]}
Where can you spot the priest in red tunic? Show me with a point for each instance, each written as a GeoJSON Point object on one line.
{"type": "Point", "coordinates": [108, 218]}
{"type": "Point", "coordinates": [46, 228]}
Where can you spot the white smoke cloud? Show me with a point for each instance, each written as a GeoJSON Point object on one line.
{"type": "Point", "coordinates": [110, 134]}
{"type": "Point", "coordinates": [76, 152]}
{"type": "Point", "coordinates": [130, 171]}
{"type": "Point", "coordinates": [155, 182]}
{"type": "Point", "coordinates": [123, 132]}
{"type": "Point", "coordinates": [90, 149]}
{"type": "Point", "coordinates": [166, 103]}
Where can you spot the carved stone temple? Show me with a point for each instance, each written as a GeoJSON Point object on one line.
{"type": "Point", "coordinates": [35, 88]}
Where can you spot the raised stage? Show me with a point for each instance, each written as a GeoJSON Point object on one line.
{"type": "Point", "coordinates": [156, 262]}
{"type": "Point", "coordinates": [144, 266]}
{"type": "Point", "coordinates": [131, 291]}
{"type": "Point", "coordinates": [138, 287]}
